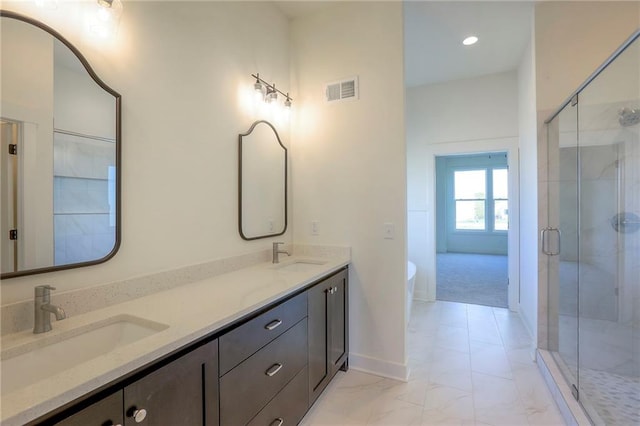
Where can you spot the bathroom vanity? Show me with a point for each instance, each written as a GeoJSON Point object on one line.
{"type": "Point", "coordinates": [265, 364]}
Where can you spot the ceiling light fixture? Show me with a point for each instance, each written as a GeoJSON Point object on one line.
{"type": "Point", "coordinates": [470, 40]}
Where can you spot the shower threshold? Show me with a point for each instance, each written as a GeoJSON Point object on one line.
{"type": "Point", "coordinates": [571, 410]}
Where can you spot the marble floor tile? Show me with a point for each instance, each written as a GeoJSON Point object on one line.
{"type": "Point", "coordinates": [469, 365]}
{"type": "Point", "coordinates": [484, 331]}
{"type": "Point", "coordinates": [452, 316]}
{"type": "Point", "coordinates": [412, 392]}
{"type": "Point", "coordinates": [454, 338]}
{"type": "Point", "coordinates": [502, 415]}
{"type": "Point", "coordinates": [391, 411]}
{"type": "Point", "coordinates": [447, 405]}
{"type": "Point", "coordinates": [494, 392]}
{"type": "Point", "coordinates": [520, 355]}
{"type": "Point", "coordinates": [490, 359]}
{"type": "Point", "coordinates": [480, 312]}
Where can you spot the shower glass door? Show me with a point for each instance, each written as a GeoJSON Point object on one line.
{"type": "Point", "coordinates": [592, 242]}
{"type": "Point", "coordinates": [609, 249]}
{"type": "Point", "coordinates": [563, 258]}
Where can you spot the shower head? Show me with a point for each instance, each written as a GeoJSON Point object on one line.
{"type": "Point", "coordinates": [629, 117]}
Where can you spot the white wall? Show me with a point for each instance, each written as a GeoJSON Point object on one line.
{"type": "Point", "coordinates": [528, 183]}
{"type": "Point", "coordinates": [455, 117]}
{"type": "Point", "coordinates": [183, 70]}
{"type": "Point", "coordinates": [572, 39]}
{"type": "Point", "coordinates": [348, 164]}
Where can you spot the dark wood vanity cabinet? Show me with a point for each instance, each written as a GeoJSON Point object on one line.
{"type": "Point", "coordinates": [183, 392]}
{"type": "Point", "coordinates": [265, 370]}
{"type": "Point", "coordinates": [106, 412]}
{"type": "Point", "coordinates": [328, 331]}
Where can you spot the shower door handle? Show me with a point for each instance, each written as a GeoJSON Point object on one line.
{"type": "Point", "coordinates": [545, 241]}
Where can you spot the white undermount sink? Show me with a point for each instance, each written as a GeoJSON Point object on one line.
{"type": "Point", "coordinates": [52, 354]}
{"type": "Point", "coordinates": [300, 265]}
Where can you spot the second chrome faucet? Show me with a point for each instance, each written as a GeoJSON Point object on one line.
{"type": "Point", "coordinates": [277, 252]}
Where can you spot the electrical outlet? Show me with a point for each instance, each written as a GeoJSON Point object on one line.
{"type": "Point", "coordinates": [315, 228]}
{"type": "Point", "coordinates": [389, 231]}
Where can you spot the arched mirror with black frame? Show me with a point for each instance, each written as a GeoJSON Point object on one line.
{"type": "Point", "coordinates": [61, 154]}
{"type": "Point", "coordinates": [262, 182]}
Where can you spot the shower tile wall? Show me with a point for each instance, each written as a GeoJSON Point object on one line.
{"type": "Point", "coordinates": [83, 213]}
{"type": "Point", "coordinates": [598, 240]}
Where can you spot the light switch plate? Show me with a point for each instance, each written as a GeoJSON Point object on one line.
{"type": "Point", "coordinates": [315, 228]}
{"type": "Point", "coordinates": [389, 231]}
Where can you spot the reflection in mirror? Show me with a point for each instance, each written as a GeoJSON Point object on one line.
{"type": "Point", "coordinates": [262, 183]}
{"type": "Point", "coordinates": [60, 131]}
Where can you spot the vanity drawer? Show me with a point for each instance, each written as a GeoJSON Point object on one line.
{"type": "Point", "coordinates": [289, 406]}
{"type": "Point", "coordinates": [242, 342]}
{"type": "Point", "coordinates": [246, 389]}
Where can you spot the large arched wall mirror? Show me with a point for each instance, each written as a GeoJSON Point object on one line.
{"type": "Point", "coordinates": [60, 162]}
{"type": "Point", "coordinates": [262, 182]}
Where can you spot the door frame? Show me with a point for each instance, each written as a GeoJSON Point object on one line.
{"type": "Point", "coordinates": [508, 145]}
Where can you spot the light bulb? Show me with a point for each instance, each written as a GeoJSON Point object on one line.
{"type": "Point", "coordinates": [272, 95]}
{"type": "Point", "coordinates": [47, 4]}
{"type": "Point", "coordinates": [470, 40]}
{"type": "Point", "coordinates": [103, 22]}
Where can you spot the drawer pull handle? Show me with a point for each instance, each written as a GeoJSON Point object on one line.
{"type": "Point", "coordinates": [273, 370]}
{"type": "Point", "coordinates": [277, 422]}
{"type": "Point", "coordinates": [273, 324]}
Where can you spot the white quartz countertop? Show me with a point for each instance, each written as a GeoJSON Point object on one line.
{"type": "Point", "coordinates": [190, 311]}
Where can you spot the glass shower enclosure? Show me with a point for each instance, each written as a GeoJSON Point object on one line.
{"type": "Point", "coordinates": [593, 240]}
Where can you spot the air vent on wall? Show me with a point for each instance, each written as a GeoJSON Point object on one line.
{"type": "Point", "coordinates": [343, 90]}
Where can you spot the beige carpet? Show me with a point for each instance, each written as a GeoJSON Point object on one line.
{"type": "Point", "coordinates": [479, 279]}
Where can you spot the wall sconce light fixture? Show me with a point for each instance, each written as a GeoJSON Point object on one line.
{"type": "Point", "coordinates": [268, 92]}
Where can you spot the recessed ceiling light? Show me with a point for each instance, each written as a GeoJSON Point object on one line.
{"type": "Point", "coordinates": [470, 40]}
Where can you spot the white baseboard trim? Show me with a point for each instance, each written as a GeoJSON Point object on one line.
{"type": "Point", "coordinates": [378, 367]}
{"type": "Point", "coordinates": [422, 296]}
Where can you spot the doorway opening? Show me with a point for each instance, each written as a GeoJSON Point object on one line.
{"type": "Point", "coordinates": [472, 226]}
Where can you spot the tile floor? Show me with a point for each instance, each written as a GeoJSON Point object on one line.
{"type": "Point", "coordinates": [470, 364]}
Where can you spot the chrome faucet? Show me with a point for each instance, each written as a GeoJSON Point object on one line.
{"type": "Point", "coordinates": [44, 309]}
{"type": "Point", "coordinates": [277, 251]}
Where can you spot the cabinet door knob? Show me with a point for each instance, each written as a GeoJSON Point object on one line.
{"type": "Point", "coordinates": [277, 422]}
{"type": "Point", "coordinates": [139, 415]}
{"type": "Point", "coordinates": [273, 370]}
{"type": "Point", "coordinates": [273, 324]}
